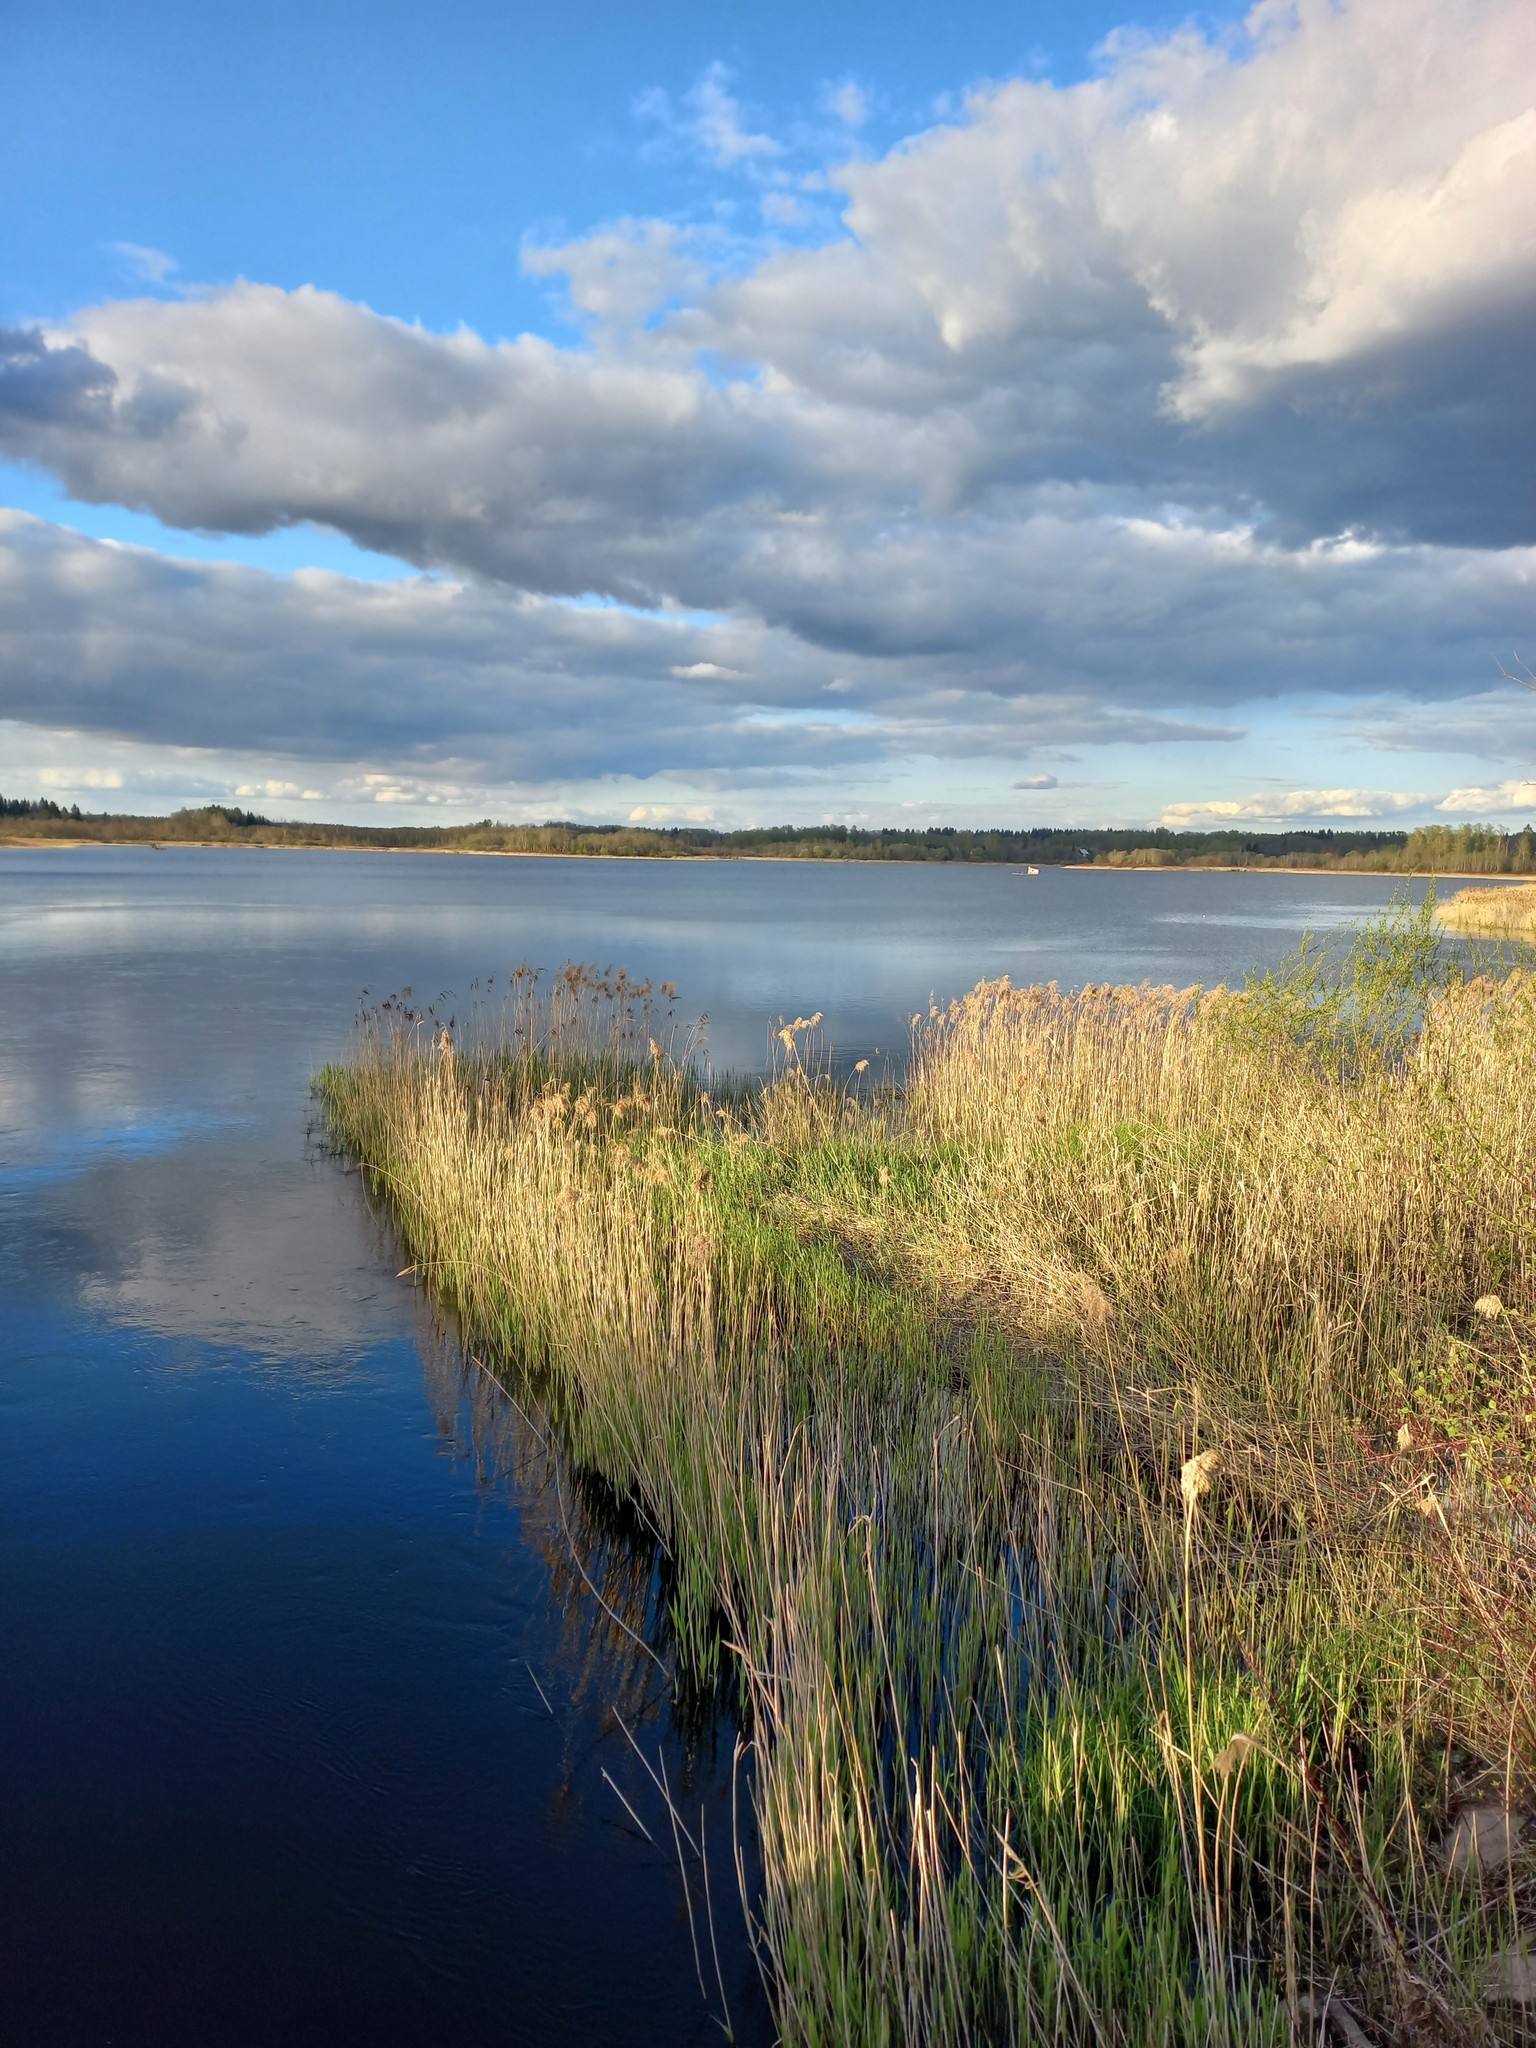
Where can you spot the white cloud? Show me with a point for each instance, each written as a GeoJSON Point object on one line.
{"type": "Point", "coordinates": [623, 273]}
{"type": "Point", "coordinates": [705, 669]}
{"type": "Point", "coordinates": [712, 124]}
{"type": "Point", "coordinates": [784, 210]}
{"type": "Point", "coordinates": [1035, 782]}
{"type": "Point", "coordinates": [672, 814]}
{"type": "Point", "coordinates": [848, 102]}
{"type": "Point", "coordinates": [1274, 808]}
{"type": "Point", "coordinates": [386, 788]}
{"type": "Point", "coordinates": [153, 266]}
{"type": "Point", "coordinates": [80, 778]}
{"type": "Point", "coordinates": [273, 788]}
{"type": "Point", "coordinates": [1490, 801]}
{"type": "Point", "coordinates": [717, 122]}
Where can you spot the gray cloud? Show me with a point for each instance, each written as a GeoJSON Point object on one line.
{"type": "Point", "coordinates": [469, 682]}
{"type": "Point", "coordinates": [49, 390]}
{"type": "Point", "coordinates": [1494, 724]}
{"type": "Point", "coordinates": [1110, 410]}
{"type": "Point", "coordinates": [1291, 282]}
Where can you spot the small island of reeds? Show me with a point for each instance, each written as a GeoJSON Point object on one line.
{"type": "Point", "coordinates": [1098, 1465]}
{"type": "Point", "coordinates": [1508, 913]}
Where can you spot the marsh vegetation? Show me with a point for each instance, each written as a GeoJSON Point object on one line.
{"type": "Point", "coordinates": [1097, 1466]}
{"type": "Point", "coordinates": [1508, 913]}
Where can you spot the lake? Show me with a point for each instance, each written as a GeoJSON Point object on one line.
{"type": "Point", "coordinates": [321, 1688]}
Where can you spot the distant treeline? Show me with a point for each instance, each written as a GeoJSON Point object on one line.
{"type": "Point", "coordinates": [35, 807]}
{"type": "Point", "coordinates": [1464, 849]}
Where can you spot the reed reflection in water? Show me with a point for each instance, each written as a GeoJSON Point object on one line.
{"type": "Point", "coordinates": [681, 1779]}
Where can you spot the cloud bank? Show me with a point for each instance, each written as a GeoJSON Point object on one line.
{"type": "Point", "coordinates": [108, 638]}
{"type": "Point", "coordinates": [1274, 808]}
{"type": "Point", "coordinates": [1106, 412]}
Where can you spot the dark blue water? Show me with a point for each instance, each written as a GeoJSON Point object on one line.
{"type": "Point", "coordinates": [305, 1703]}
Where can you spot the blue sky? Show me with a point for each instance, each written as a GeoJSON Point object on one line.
{"type": "Point", "coordinates": [978, 413]}
{"type": "Point", "coordinates": [400, 154]}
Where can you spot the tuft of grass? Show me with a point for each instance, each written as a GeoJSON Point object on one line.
{"type": "Point", "coordinates": [1101, 1467]}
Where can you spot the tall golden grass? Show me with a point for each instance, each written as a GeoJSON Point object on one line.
{"type": "Point", "coordinates": [1103, 1468]}
{"type": "Point", "coordinates": [1505, 912]}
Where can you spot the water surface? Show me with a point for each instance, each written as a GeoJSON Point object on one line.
{"type": "Point", "coordinates": [305, 1704]}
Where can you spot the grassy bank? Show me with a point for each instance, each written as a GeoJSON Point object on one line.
{"type": "Point", "coordinates": [1508, 913]}
{"type": "Point", "coordinates": [1102, 1469]}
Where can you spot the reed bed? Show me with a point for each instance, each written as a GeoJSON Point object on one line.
{"type": "Point", "coordinates": [1505, 912]}
{"type": "Point", "coordinates": [1102, 1468]}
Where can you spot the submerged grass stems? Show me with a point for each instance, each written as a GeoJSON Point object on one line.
{"type": "Point", "coordinates": [1103, 1466]}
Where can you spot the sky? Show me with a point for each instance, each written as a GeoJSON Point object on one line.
{"type": "Point", "coordinates": [1032, 414]}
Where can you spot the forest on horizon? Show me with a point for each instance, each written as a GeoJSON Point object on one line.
{"type": "Point", "coordinates": [1443, 849]}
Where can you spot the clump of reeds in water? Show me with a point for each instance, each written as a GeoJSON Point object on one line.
{"type": "Point", "coordinates": [1104, 1465]}
{"type": "Point", "coordinates": [1508, 911]}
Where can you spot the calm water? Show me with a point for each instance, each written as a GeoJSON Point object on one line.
{"type": "Point", "coordinates": [305, 1709]}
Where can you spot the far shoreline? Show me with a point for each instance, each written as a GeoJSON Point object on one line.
{"type": "Point", "coordinates": [30, 843]}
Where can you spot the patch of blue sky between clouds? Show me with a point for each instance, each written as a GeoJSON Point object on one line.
{"type": "Point", "coordinates": [23, 489]}
{"type": "Point", "coordinates": [599, 601]}
{"type": "Point", "coordinates": [814, 716]}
